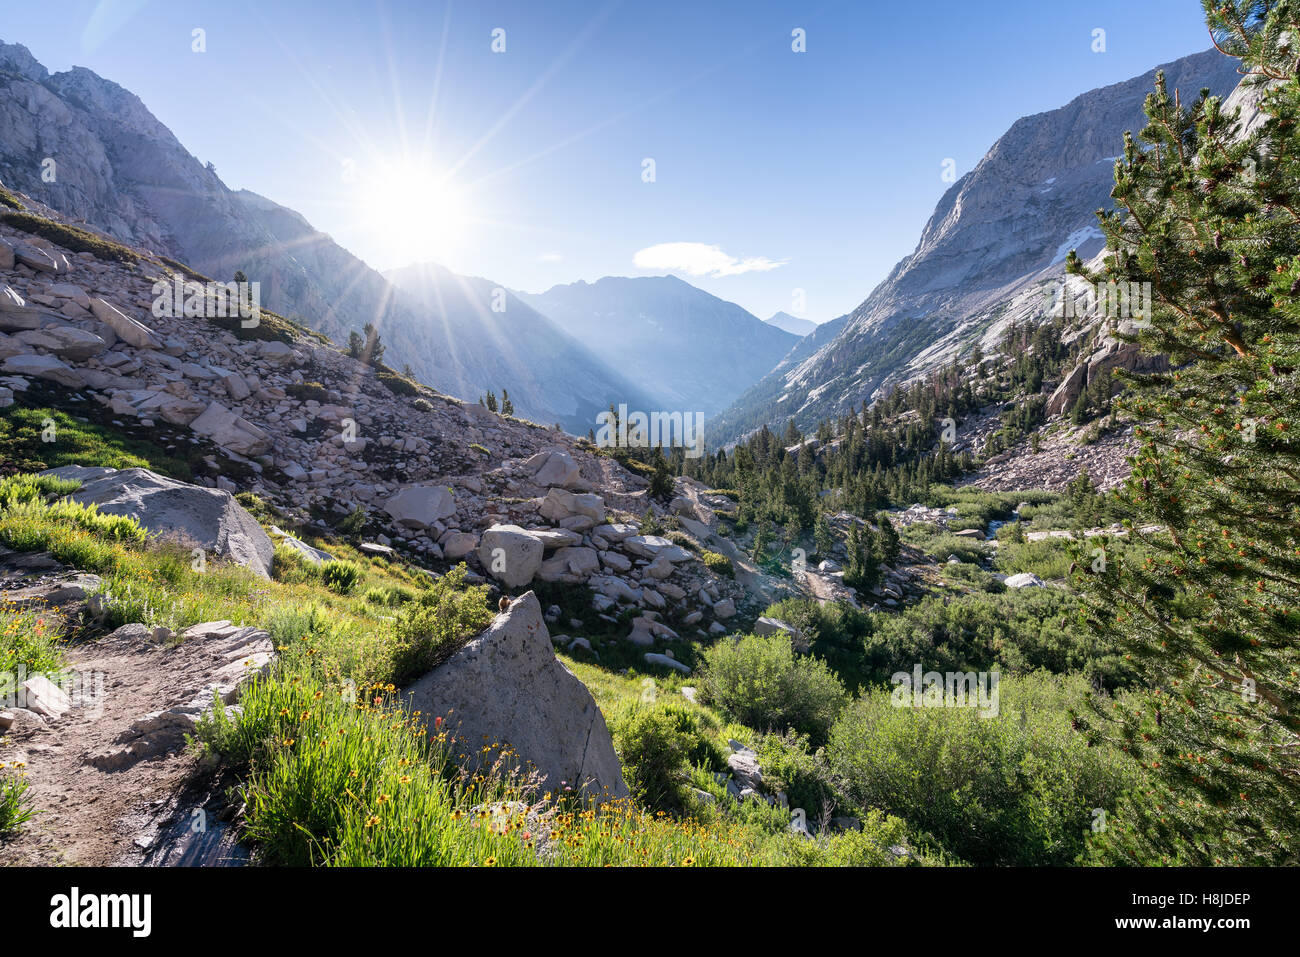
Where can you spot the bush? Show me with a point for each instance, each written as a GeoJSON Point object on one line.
{"type": "Point", "coordinates": [305, 391]}
{"type": "Point", "coordinates": [835, 632]}
{"type": "Point", "coordinates": [9, 199]}
{"type": "Point", "coordinates": [340, 576]}
{"type": "Point", "coordinates": [790, 765]}
{"type": "Point", "coordinates": [760, 681]}
{"type": "Point", "coordinates": [653, 752]}
{"type": "Point", "coordinates": [440, 620]}
{"type": "Point", "coordinates": [398, 384]}
{"type": "Point", "coordinates": [15, 807]}
{"type": "Point", "coordinates": [291, 568]}
{"type": "Point", "coordinates": [1015, 789]}
{"type": "Point", "coordinates": [353, 523]}
{"type": "Point", "coordinates": [718, 564]}
{"type": "Point", "coordinates": [422, 404]}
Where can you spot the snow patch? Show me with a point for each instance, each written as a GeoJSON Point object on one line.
{"type": "Point", "coordinates": [1074, 241]}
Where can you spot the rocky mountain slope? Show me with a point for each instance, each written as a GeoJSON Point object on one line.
{"type": "Point", "coordinates": [320, 436]}
{"type": "Point", "coordinates": [119, 170]}
{"type": "Point", "coordinates": [693, 351]}
{"type": "Point", "coordinates": [996, 238]}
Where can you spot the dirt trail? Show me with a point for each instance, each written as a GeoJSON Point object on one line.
{"type": "Point", "coordinates": [106, 794]}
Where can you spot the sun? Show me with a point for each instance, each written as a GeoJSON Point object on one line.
{"type": "Point", "coordinates": [415, 209]}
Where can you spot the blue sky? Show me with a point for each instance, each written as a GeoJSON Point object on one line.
{"type": "Point", "coordinates": [395, 128]}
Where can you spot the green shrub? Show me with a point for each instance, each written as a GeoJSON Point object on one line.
{"type": "Point", "coordinates": [399, 384]}
{"type": "Point", "coordinates": [15, 806]}
{"type": "Point", "coordinates": [761, 682]}
{"type": "Point", "coordinates": [306, 391]}
{"type": "Point", "coordinates": [422, 404]}
{"type": "Point", "coordinates": [1047, 558]}
{"type": "Point", "coordinates": [1018, 788]}
{"type": "Point", "coordinates": [291, 567]}
{"type": "Point", "coordinates": [440, 620]}
{"type": "Point", "coordinates": [340, 576]}
{"type": "Point", "coordinates": [790, 765]}
{"type": "Point", "coordinates": [718, 564]}
{"type": "Point", "coordinates": [653, 754]}
{"type": "Point", "coordinates": [353, 523]}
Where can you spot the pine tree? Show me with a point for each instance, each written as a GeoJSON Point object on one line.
{"type": "Point", "coordinates": [491, 401]}
{"type": "Point", "coordinates": [507, 407]}
{"type": "Point", "coordinates": [1207, 608]}
{"type": "Point", "coordinates": [890, 544]}
{"type": "Point", "coordinates": [823, 541]}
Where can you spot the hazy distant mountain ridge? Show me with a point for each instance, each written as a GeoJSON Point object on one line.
{"type": "Point", "coordinates": [691, 350]}
{"type": "Point", "coordinates": [791, 324]}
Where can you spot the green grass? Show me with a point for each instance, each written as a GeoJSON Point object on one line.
{"type": "Point", "coordinates": [76, 442]}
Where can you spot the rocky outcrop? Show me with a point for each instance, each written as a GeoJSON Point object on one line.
{"type": "Point", "coordinates": [205, 518]}
{"type": "Point", "coordinates": [507, 686]}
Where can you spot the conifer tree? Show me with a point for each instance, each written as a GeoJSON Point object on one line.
{"type": "Point", "coordinates": [1208, 606]}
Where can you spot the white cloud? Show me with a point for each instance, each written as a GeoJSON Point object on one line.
{"type": "Point", "coordinates": [700, 259]}
{"type": "Point", "coordinates": [550, 258]}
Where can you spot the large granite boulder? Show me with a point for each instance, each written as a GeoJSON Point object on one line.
{"type": "Point", "coordinates": [419, 506]}
{"type": "Point", "coordinates": [510, 554]}
{"type": "Point", "coordinates": [507, 686]}
{"type": "Point", "coordinates": [205, 518]}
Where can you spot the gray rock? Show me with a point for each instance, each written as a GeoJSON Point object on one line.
{"type": "Point", "coordinates": [507, 685]}
{"type": "Point", "coordinates": [510, 554]}
{"type": "Point", "coordinates": [419, 506]}
{"type": "Point", "coordinates": [127, 329]}
{"type": "Point", "coordinates": [651, 658]}
{"type": "Point", "coordinates": [44, 367]}
{"type": "Point", "coordinates": [207, 518]}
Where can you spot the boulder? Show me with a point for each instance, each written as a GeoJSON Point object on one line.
{"type": "Point", "coordinates": [558, 468]}
{"type": "Point", "coordinates": [560, 505]}
{"type": "Point", "coordinates": [314, 556]}
{"type": "Point", "coordinates": [570, 564]}
{"type": "Point", "coordinates": [127, 329]}
{"type": "Point", "coordinates": [205, 518]}
{"type": "Point", "coordinates": [39, 259]}
{"type": "Point", "coordinates": [44, 367]}
{"type": "Point", "coordinates": [15, 314]}
{"type": "Point", "coordinates": [65, 341]}
{"type": "Point", "coordinates": [1024, 580]}
{"type": "Point", "coordinates": [6, 254]}
{"type": "Point", "coordinates": [652, 658]}
{"type": "Point", "coordinates": [510, 554]}
{"type": "Point", "coordinates": [456, 545]}
{"type": "Point", "coordinates": [725, 608]}
{"type": "Point", "coordinates": [231, 431]}
{"type": "Point", "coordinates": [507, 686]}
{"type": "Point", "coordinates": [652, 546]}
{"type": "Point", "coordinates": [419, 506]}
{"type": "Point", "coordinates": [645, 630]}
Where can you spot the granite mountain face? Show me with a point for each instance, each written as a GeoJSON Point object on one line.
{"type": "Point", "coordinates": [122, 172]}
{"type": "Point", "coordinates": [997, 236]}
